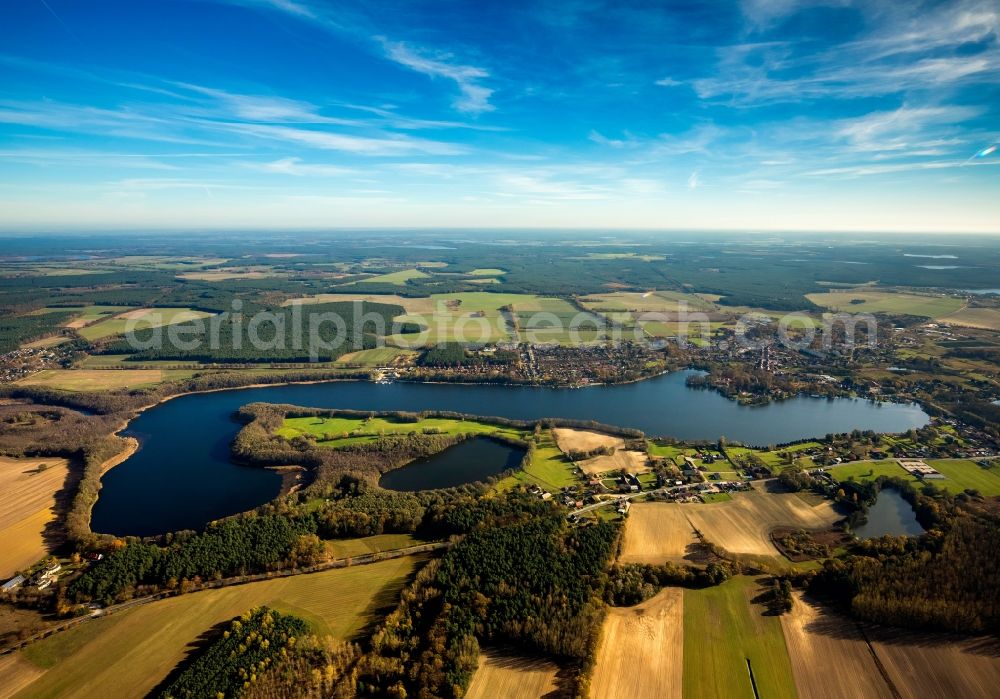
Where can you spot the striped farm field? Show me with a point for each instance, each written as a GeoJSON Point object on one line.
{"type": "Point", "coordinates": [27, 498]}
{"type": "Point", "coordinates": [127, 654]}
{"type": "Point", "coordinates": [641, 654]}
{"type": "Point", "coordinates": [503, 676]}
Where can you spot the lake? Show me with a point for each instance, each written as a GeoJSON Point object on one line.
{"type": "Point", "coordinates": [182, 478]}
{"type": "Point", "coordinates": [469, 461]}
{"type": "Point", "coordinates": [890, 514]}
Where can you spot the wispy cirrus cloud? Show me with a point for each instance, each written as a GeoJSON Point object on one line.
{"type": "Point", "coordinates": [900, 50]}
{"type": "Point", "coordinates": [474, 96]}
{"type": "Point", "coordinates": [297, 168]}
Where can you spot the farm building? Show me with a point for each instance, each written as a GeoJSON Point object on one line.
{"type": "Point", "coordinates": [920, 469]}
{"type": "Point", "coordinates": [12, 584]}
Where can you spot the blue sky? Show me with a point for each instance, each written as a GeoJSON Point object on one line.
{"type": "Point", "coordinates": [765, 114]}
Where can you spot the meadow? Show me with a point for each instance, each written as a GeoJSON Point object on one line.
{"type": "Point", "coordinates": [128, 653]}
{"type": "Point", "coordinates": [330, 430]}
{"type": "Point", "coordinates": [138, 319]}
{"type": "Point", "coordinates": [959, 474]}
{"type": "Point", "coordinates": [400, 277]}
{"type": "Point", "coordinates": [900, 303]}
{"type": "Point", "coordinates": [724, 633]}
{"type": "Point", "coordinates": [985, 318]}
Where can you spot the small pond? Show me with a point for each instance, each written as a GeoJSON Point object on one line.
{"type": "Point", "coordinates": [890, 514]}
{"type": "Point", "coordinates": [473, 460]}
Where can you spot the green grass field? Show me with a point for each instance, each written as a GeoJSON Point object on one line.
{"type": "Point", "coordinates": [722, 631]}
{"type": "Point", "coordinates": [549, 468]}
{"type": "Point", "coordinates": [487, 272]}
{"type": "Point", "coordinates": [887, 302]}
{"type": "Point", "coordinates": [962, 474]}
{"type": "Point", "coordinates": [650, 301]}
{"type": "Point", "coordinates": [959, 474]}
{"type": "Point", "coordinates": [140, 318]}
{"type": "Point", "coordinates": [128, 653]}
{"type": "Point", "coordinates": [400, 277]}
{"type": "Point", "coordinates": [345, 548]}
{"type": "Point", "coordinates": [342, 429]}
{"type": "Point", "coordinates": [379, 356]}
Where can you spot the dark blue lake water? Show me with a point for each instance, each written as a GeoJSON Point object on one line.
{"type": "Point", "coordinates": [182, 478]}
{"type": "Point", "coordinates": [467, 462]}
{"type": "Point", "coordinates": [890, 514]}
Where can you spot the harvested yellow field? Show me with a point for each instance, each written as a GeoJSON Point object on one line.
{"type": "Point", "coordinates": [657, 533]}
{"type": "Point", "coordinates": [934, 665]}
{"type": "Point", "coordinates": [502, 676]}
{"type": "Point", "coordinates": [96, 379]}
{"type": "Point", "coordinates": [817, 641]}
{"type": "Point", "coordinates": [743, 524]}
{"type": "Point", "coordinates": [17, 673]}
{"type": "Point", "coordinates": [984, 318]}
{"type": "Point", "coordinates": [584, 440]}
{"type": "Point", "coordinates": [127, 654]}
{"type": "Point", "coordinates": [634, 462]}
{"type": "Point", "coordinates": [27, 499]}
{"type": "Point", "coordinates": [641, 654]}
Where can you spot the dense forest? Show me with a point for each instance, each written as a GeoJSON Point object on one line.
{"type": "Point", "coordinates": [248, 649]}
{"type": "Point", "coordinates": [521, 576]}
{"type": "Point", "coordinates": [16, 330]}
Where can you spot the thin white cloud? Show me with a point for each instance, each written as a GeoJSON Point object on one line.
{"type": "Point", "coordinates": [474, 96]}
{"type": "Point", "coordinates": [298, 168]}
{"type": "Point", "coordinates": [387, 145]}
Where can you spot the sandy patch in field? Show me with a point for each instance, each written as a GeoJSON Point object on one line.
{"type": "Point", "coordinates": [501, 676]}
{"type": "Point", "coordinates": [657, 533]}
{"type": "Point", "coordinates": [634, 462]}
{"type": "Point", "coordinates": [26, 506]}
{"type": "Point", "coordinates": [819, 641]}
{"type": "Point", "coordinates": [743, 524]}
{"type": "Point", "coordinates": [937, 665]}
{"type": "Point", "coordinates": [584, 440]}
{"type": "Point", "coordinates": [641, 654]}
